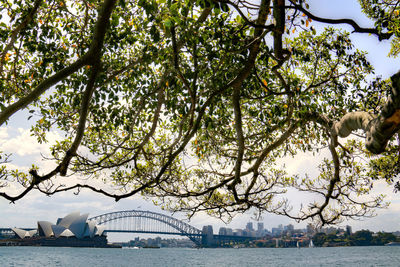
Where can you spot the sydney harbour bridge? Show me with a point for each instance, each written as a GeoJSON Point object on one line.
{"type": "Point", "coordinates": [148, 222]}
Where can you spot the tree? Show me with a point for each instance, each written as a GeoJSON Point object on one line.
{"type": "Point", "coordinates": [319, 239]}
{"type": "Point", "coordinates": [361, 238]}
{"type": "Point", "coordinates": [194, 101]}
{"type": "Point", "coordinates": [382, 238]}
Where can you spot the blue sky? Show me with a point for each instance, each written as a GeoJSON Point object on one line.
{"type": "Point", "coordinates": [15, 138]}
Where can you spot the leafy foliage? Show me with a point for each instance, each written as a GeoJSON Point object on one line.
{"type": "Point", "coordinates": [359, 238]}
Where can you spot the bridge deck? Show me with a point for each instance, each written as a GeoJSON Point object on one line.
{"type": "Point", "coordinates": [150, 232]}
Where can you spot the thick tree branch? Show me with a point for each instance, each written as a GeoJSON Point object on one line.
{"type": "Point", "coordinates": [41, 88]}
{"type": "Point", "coordinates": [245, 72]}
{"type": "Point", "coordinates": [379, 129]}
{"type": "Point", "coordinates": [279, 16]}
{"type": "Point", "coordinates": [84, 111]}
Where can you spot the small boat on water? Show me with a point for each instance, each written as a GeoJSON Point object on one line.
{"type": "Point", "coordinates": [393, 244]}
{"type": "Point", "coordinates": [311, 245]}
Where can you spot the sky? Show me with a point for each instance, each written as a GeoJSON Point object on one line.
{"type": "Point", "coordinates": [15, 138]}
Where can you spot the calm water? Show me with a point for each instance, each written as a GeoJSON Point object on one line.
{"type": "Point", "coordinates": [51, 256]}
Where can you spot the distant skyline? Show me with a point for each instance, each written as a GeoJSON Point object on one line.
{"type": "Point", "coordinates": [15, 138]}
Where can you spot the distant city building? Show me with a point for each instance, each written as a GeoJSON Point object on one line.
{"type": "Point", "coordinates": [159, 242]}
{"type": "Point", "coordinates": [276, 231]}
{"type": "Point", "coordinates": [289, 228]}
{"type": "Point", "coordinates": [249, 226]}
{"type": "Point", "coordinates": [310, 229]}
{"type": "Point", "coordinates": [222, 231]}
{"type": "Point", "coordinates": [238, 232]}
{"type": "Point", "coordinates": [229, 231]}
{"type": "Point", "coordinates": [349, 230]}
{"type": "Point", "coordinates": [208, 230]}
{"type": "Point", "coordinates": [225, 231]}
{"type": "Point", "coordinates": [260, 229]}
{"type": "Point", "coordinates": [209, 235]}
{"type": "Point", "coordinates": [330, 230]}
{"type": "Point", "coordinates": [397, 233]}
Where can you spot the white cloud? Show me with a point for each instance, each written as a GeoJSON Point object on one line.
{"type": "Point", "coordinates": [3, 133]}
{"type": "Point", "coordinates": [23, 143]}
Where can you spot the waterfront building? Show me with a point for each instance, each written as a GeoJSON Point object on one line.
{"type": "Point", "coordinates": [24, 233]}
{"type": "Point", "coordinates": [72, 225]}
{"type": "Point", "coordinates": [73, 230]}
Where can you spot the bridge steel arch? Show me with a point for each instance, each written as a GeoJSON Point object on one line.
{"type": "Point", "coordinates": [181, 227]}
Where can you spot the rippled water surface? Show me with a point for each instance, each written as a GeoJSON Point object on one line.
{"type": "Point", "coordinates": [343, 256]}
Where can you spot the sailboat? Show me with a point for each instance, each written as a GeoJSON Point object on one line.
{"type": "Point", "coordinates": [311, 245]}
{"type": "Point", "coordinates": [298, 245]}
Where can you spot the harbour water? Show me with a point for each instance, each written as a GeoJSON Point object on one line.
{"type": "Point", "coordinates": [76, 257]}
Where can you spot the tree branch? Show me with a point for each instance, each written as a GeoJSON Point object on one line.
{"type": "Point", "coordinates": [89, 58]}
{"type": "Point", "coordinates": [356, 27]}
{"type": "Point", "coordinates": [379, 129]}
{"type": "Point", "coordinates": [18, 29]}
{"type": "Point", "coordinates": [244, 73]}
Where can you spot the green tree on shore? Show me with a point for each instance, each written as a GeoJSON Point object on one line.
{"type": "Point", "coordinates": [359, 238]}
{"type": "Point", "coordinates": [194, 102]}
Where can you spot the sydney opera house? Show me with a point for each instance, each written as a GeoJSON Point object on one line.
{"type": "Point", "coordinates": [74, 230]}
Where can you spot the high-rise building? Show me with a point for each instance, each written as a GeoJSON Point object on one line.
{"type": "Point", "coordinates": [209, 235]}
{"type": "Point", "coordinates": [310, 229]}
{"type": "Point", "coordinates": [260, 226]}
{"type": "Point", "coordinates": [222, 231]}
{"type": "Point", "coordinates": [208, 230]}
{"type": "Point", "coordinates": [289, 227]}
{"type": "Point", "coordinates": [225, 231]}
{"type": "Point", "coordinates": [238, 232]}
{"type": "Point", "coordinates": [249, 226]}
{"type": "Point", "coordinates": [349, 230]}
{"type": "Point", "coordinates": [276, 231]}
